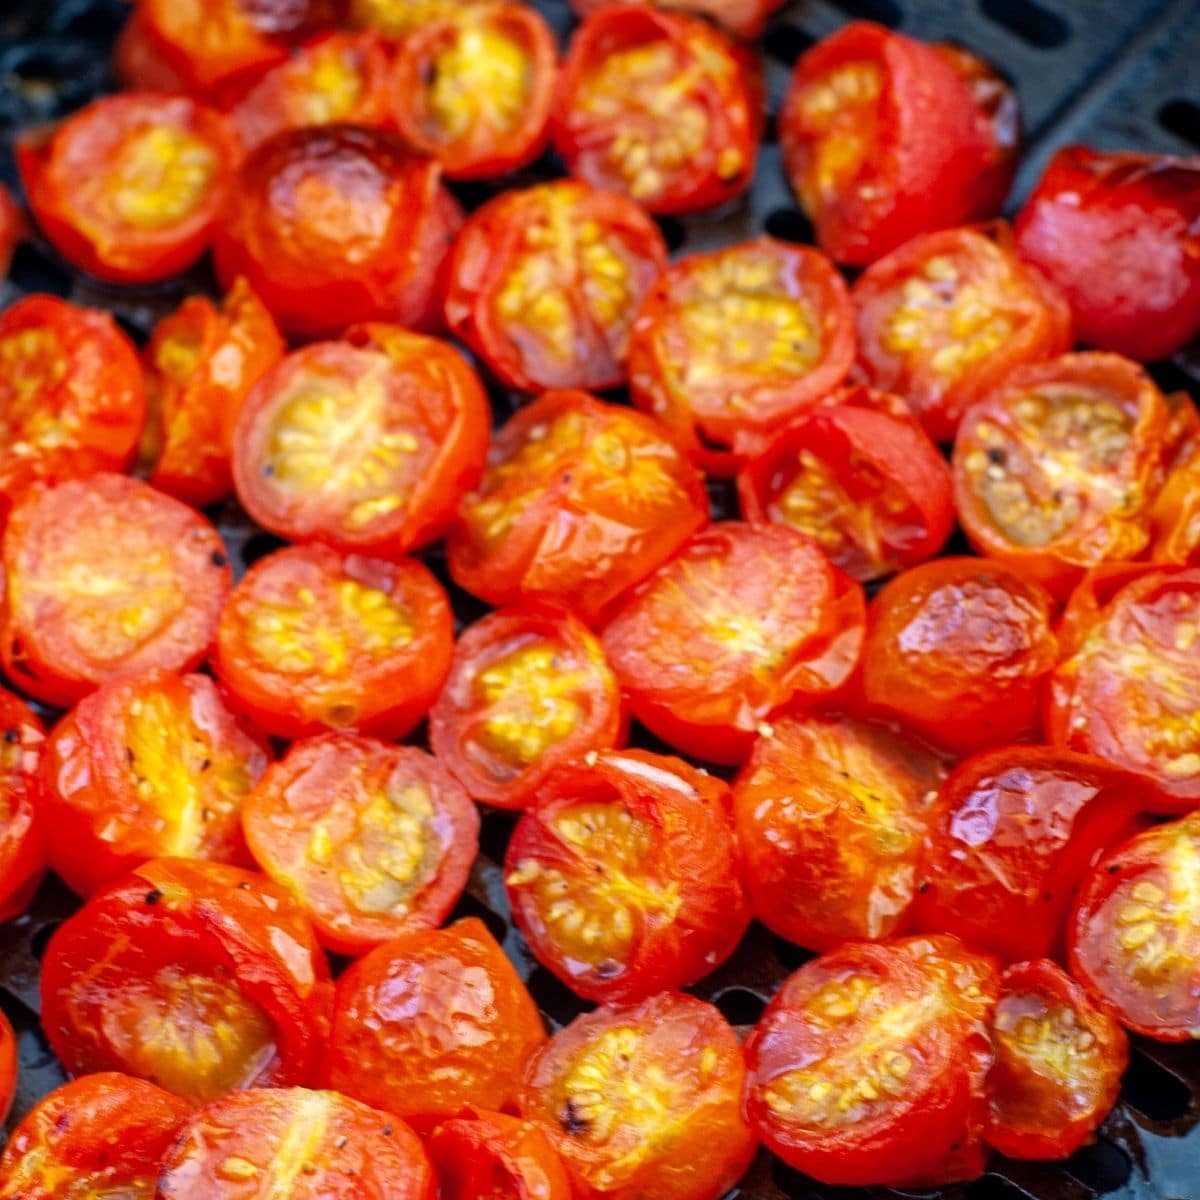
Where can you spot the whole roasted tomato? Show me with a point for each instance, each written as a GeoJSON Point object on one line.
{"type": "Point", "coordinates": [642, 1100]}
{"type": "Point", "coordinates": [106, 577]}
{"type": "Point", "coordinates": [544, 283]}
{"type": "Point", "coordinates": [477, 1025]}
{"type": "Point", "coordinates": [743, 17]}
{"type": "Point", "coordinates": [22, 832]}
{"type": "Point", "coordinates": [481, 1153]}
{"type": "Point", "coordinates": [12, 228]}
{"type": "Point", "coordinates": [744, 621]}
{"type": "Point", "coordinates": [580, 501]}
{"type": "Point", "coordinates": [200, 976]}
{"type": "Point", "coordinates": [1175, 514]}
{"type": "Point", "coordinates": [337, 224]}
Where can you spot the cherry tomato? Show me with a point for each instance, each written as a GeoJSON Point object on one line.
{"type": "Point", "coordinates": [1175, 514]}
{"type": "Point", "coordinates": [477, 1025]}
{"type": "Point", "coordinates": [22, 825]}
{"type": "Point", "coordinates": [861, 478]}
{"type": "Point", "coordinates": [474, 86]}
{"type": "Point", "coordinates": [580, 501]}
{"type": "Point", "coordinates": [106, 577]}
{"type": "Point", "coordinates": [745, 620]}
{"type": "Point", "coordinates": [199, 976]}
{"type": "Point", "coordinates": [297, 1143]}
{"type": "Point", "coordinates": [1057, 468]}
{"type": "Point", "coordinates": [72, 400]}
{"type": "Point", "coordinates": [642, 1100]}
{"type": "Point", "coordinates": [624, 876]}
{"type": "Point", "coordinates": [958, 649]}
{"type": "Point", "coordinates": [544, 283]}
{"type": "Point", "coordinates": [1117, 233]}
{"type": "Point", "coordinates": [1058, 1068]}
{"type": "Point", "coordinates": [8, 1066]}
{"type": "Point", "coordinates": [529, 688]}
{"type": "Point", "coordinates": [373, 840]}
{"type": "Point", "coordinates": [132, 187]}
{"type": "Point", "coordinates": [147, 767]}
{"type": "Point", "coordinates": [366, 444]}
{"type": "Point", "coordinates": [312, 640]}
{"type": "Point", "coordinates": [398, 19]}
{"type": "Point", "coordinates": [746, 18]}
{"type": "Point", "coordinates": [659, 106]}
{"type": "Point", "coordinates": [943, 319]}
{"type": "Point", "coordinates": [12, 228]}
{"type": "Point", "coordinates": [338, 224]}
{"type": "Point", "coordinates": [102, 1135]}
{"type": "Point", "coordinates": [200, 364]}
{"type": "Point", "coordinates": [721, 395]}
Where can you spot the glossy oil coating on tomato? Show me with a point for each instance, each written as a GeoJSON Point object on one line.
{"type": "Point", "coordinates": [106, 577]}
{"type": "Point", "coordinates": [1118, 234]}
{"type": "Point", "coordinates": [151, 766]}
{"type": "Point", "coordinates": [1058, 1068]}
{"type": "Point", "coordinates": [22, 833]}
{"type": "Point", "coordinates": [338, 224]}
{"type": "Point", "coordinates": [102, 1135]}
{"type": "Point", "coordinates": [12, 228]}
{"type": "Point", "coordinates": [660, 107]}
{"type": "Point", "coordinates": [944, 318]}
{"type": "Point", "coordinates": [746, 18]}
{"type": "Point", "coordinates": [477, 1025]}
{"type": "Point", "coordinates": [642, 1100]}
{"type": "Point", "coordinates": [366, 444]}
{"type": "Point", "coordinates": [373, 840]}
{"type": "Point", "coordinates": [745, 620]}
{"type": "Point", "coordinates": [544, 283]}
{"type": "Point", "coordinates": [1056, 469]}
{"type": "Point", "coordinates": [312, 640]}
{"type": "Point", "coordinates": [198, 976]}
{"type": "Point", "coordinates": [959, 649]}
{"type": "Point", "coordinates": [860, 477]}
{"type": "Point", "coordinates": [306, 1145]}
{"type": "Point", "coordinates": [832, 817]}
{"type": "Point", "coordinates": [624, 876]}
{"type": "Point", "coordinates": [132, 187]}
{"type": "Point", "coordinates": [474, 87]}
{"type": "Point", "coordinates": [580, 501]}
{"type": "Point", "coordinates": [722, 395]}
{"type": "Point", "coordinates": [529, 688]}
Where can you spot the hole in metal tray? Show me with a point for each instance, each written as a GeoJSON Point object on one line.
{"type": "Point", "coordinates": [1154, 1091]}
{"type": "Point", "coordinates": [1182, 118]}
{"type": "Point", "coordinates": [886, 12]}
{"type": "Point", "coordinates": [786, 43]}
{"type": "Point", "coordinates": [1102, 1167]}
{"type": "Point", "coordinates": [1030, 21]}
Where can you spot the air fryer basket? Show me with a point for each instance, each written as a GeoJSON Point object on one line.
{"type": "Point", "coordinates": [1112, 73]}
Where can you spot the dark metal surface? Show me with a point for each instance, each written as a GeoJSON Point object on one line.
{"type": "Point", "coordinates": [1113, 73]}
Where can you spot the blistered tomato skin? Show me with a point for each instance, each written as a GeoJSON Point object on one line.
{"type": "Point", "coordinates": [22, 834]}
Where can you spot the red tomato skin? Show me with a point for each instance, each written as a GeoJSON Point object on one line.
{"type": "Point", "coordinates": [1117, 233]}
{"type": "Point", "coordinates": [746, 18]}
{"type": "Point", "coordinates": [22, 826]}
{"type": "Point", "coordinates": [12, 228]}
{"type": "Point", "coordinates": [1175, 515]}
{"type": "Point", "coordinates": [8, 1066]}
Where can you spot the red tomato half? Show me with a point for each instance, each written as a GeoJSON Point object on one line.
{"type": "Point", "coordinates": [743, 17]}
{"type": "Point", "coordinates": [744, 621]}
{"type": "Point", "coordinates": [12, 228]}
{"type": "Point", "coordinates": [483, 1153]}
{"type": "Point", "coordinates": [22, 833]}
{"type": "Point", "coordinates": [202, 977]}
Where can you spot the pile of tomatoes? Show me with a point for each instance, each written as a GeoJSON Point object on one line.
{"type": "Point", "coordinates": [974, 797]}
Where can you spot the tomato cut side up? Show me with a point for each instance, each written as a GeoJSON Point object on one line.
{"type": "Point", "coordinates": [22, 833]}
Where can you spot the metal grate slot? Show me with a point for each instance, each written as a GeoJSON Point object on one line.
{"type": "Point", "coordinates": [1031, 22]}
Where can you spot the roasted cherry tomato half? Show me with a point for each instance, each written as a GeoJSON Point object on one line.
{"type": "Point", "coordinates": [398, 19]}
{"type": "Point", "coordinates": [12, 228]}
{"type": "Point", "coordinates": [199, 976]}
{"type": "Point", "coordinates": [106, 577]}
{"type": "Point", "coordinates": [312, 640]}
{"type": "Point", "coordinates": [72, 399]}
{"type": "Point", "coordinates": [580, 501]}
{"type": "Point", "coordinates": [366, 444]}
{"type": "Point", "coordinates": [338, 224]}
{"type": "Point", "coordinates": [1058, 1068]}
{"type": "Point", "coordinates": [659, 106]}
{"type": "Point", "coordinates": [132, 187]}
{"type": "Point", "coordinates": [474, 87]}
{"type": "Point", "coordinates": [624, 876]}
{"type": "Point", "coordinates": [943, 319]}
{"type": "Point", "coordinates": [832, 818]}
{"type": "Point", "coordinates": [102, 1135]}
{"type": "Point", "coordinates": [477, 1027]}
{"type": "Point", "coordinates": [743, 17]}
{"type": "Point", "coordinates": [1117, 233]}
{"type": "Point", "coordinates": [22, 823]}
{"type": "Point", "coordinates": [744, 621]}
{"type": "Point", "coordinates": [529, 688]}
{"type": "Point", "coordinates": [544, 283]}
{"type": "Point", "coordinates": [722, 395]}
{"type": "Point", "coordinates": [200, 364]}
{"type": "Point", "coordinates": [1057, 468]}
{"type": "Point", "coordinates": [642, 1100]}
{"type": "Point", "coordinates": [147, 767]}
{"type": "Point", "coordinates": [297, 1143]}
{"type": "Point", "coordinates": [373, 840]}
{"type": "Point", "coordinates": [1175, 514]}
{"type": "Point", "coordinates": [959, 650]}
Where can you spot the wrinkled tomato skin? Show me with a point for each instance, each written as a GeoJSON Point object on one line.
{"type": "Point", "coordinates": [22, 824]}
{"type": "Point", "coordinates": [12, 228]}
{"type": "Point", "coordinates": [479, 1026]}
{"type": "Point", "coordinates": [338, 224]}
{"type": "Point", "coordinates": [745, 18]}
{"type": "Point", "coordinates": [1117, 233]}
